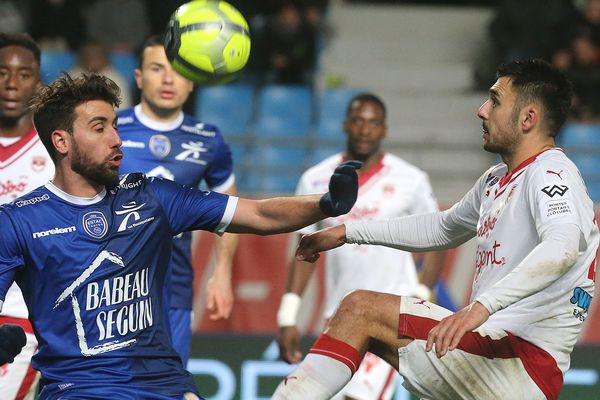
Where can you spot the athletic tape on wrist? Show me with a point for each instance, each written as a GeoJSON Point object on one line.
{"type": "Point", "coordinates": [423, 292]}
{"type": "Point", "coordinates": [288, 309]}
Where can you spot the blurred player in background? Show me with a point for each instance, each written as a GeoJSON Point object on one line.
{"type": "Point", "coordinates": [389, 187]}
{"type": "Point", "coordinates": [90, 250]}
{"type": "Point", "coordinates": [24, 165]}
{"type": "Point", "coordinates": [160, 140]}
{"type": "Point", "coordinates": [534, 270]}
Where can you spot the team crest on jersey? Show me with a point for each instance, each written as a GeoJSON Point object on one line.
{"type": "Point", "coordinates": [95, 224]}
{"type": "Point", "coordinates": [160, 145]}
{"type": "Point", "coordinates": [388, 190]}
{"type": "Point", "coordinates": [38, 163]}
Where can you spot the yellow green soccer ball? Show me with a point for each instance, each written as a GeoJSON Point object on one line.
{"type": "Point", "coordinates": [207, 41]}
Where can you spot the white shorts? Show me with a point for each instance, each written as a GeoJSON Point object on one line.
{"type": "Point", "coordinates": [18, 379]}
{"type": "Point", "coordinates": [374, 379]}
{"type": "Point", "coordinates": [488, 364]}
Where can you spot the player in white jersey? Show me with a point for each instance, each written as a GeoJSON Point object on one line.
{"type": "Point", "coordinates": [24, 165]}
{"type": "Point", "coordinates": [389, 187]}
{"type": "Point", "coordinates": [534, 270]}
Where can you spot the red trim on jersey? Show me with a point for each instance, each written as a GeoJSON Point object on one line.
{"type": "Point", "coordinates": [506, 178]}
{"type": "Point", "coordinates": [387, 383]}
{"type": "Point", "coordinates": [592, 271]}
{"type": "Point", "coordinates": [503, 189]}
{"type": "Point", "coordinates": [338, 350]}
{"type": "Point", "coordinates": [9, 151]}
{"type": "Point", "coordinates": [538, 363]}
{"type": "Point", "coordinates": [28, 382]}
{"type": "Point", "coordinates": [22, 322]}
{"type": "Point", "coordinates": [364, 176]}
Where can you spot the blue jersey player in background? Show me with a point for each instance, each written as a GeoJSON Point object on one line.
{"type": "Point", "coordinates": [160, 140]}
{"type": "Point", "coordinates": [91, 249]}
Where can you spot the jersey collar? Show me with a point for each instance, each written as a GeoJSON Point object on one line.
{"type": "Point", "coordinates": [81, 201]}
{"type": "Point", "coordinates": [506, 178]}
{"type": "Point", "coordinates": [155, 125]}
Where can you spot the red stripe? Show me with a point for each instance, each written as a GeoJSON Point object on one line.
{"type": "Point", "coordinates": [592, 271]}
{"type": "Point", "coordinates": [502, 190]}
{"type": "Point", "coordinates": [338, 350]}
{"type": "Point", "coordinates": [386, 384]}
{"type": "Point", "coordinates": [28, 382]}
{"type": "Point", "coordinates": [506, 178]}
{"type": "Point", "coordinates": [22, 322]}
{"type": "Point", "coordinates": [538, 363]}
{"type": "Point", "coordinates": [9, 151]}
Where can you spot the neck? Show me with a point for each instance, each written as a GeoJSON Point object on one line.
{"type": "Point", "coordinates": [368, 162]}
{"type": "Point", "coordinates": [15, 127]}
{"type": "Point", "coordinates": [160, 114]}
{"type": "Point", "coordinates": [526, 151]}
{"type": "Point", "coordinates": [74, 184]}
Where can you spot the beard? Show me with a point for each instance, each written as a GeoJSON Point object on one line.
{"type": "Point", "coordinates": [102, 173]}
{"type": "Point", "coordinates": [506, 141]}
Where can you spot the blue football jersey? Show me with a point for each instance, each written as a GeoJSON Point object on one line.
{"type": "Point", "coordinates": [183, 151]}
{"type": "Point", "coordinates": [94, 274]}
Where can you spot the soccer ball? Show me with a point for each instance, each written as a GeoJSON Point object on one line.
{"type": "Point", "coordinates": [207, 41]}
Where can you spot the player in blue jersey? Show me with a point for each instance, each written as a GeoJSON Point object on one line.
{"type": "Point", "coordinates": [90, 250]}
{"type": "Point", "coordinates": [160, 140]}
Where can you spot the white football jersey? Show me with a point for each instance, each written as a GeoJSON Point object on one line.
{"type": "Point", "coordinates": [510, 212]}
{"type": "Point", "coordinates": [24, 165]}
{"type": "Point", "coordinates": [393, 188]}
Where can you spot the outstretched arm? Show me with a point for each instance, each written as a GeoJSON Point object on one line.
{"type": "Point", "coordinates": [288, 214]}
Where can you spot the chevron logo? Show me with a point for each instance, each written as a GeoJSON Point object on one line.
{"type": "Point", "coordinates": [555, 190]}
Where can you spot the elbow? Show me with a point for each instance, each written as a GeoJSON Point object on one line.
{"type": "Point", "coordinates": [570, 258]}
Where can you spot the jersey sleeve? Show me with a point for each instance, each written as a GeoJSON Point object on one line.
{"type": "Point", "coordinates": [219, 174]}
{"type": "Point", "coordinates": [11, 256]}
{"type": "Point", "coordinates": [465, 213]}
{"type": "Point", "coordinates": [552, 197]}
{"type": "Point", "coordinates": [188, 208]}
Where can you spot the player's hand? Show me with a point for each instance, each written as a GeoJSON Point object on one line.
{"type": "Point", "coordinates": [12, 340]}
{"type": "Point", "coordinates": [312, 244]}
{"type": "Point", "coordinates": [447, 333]}
{"type": "Point", "coordinates": [219, 297]}
{"type": "Point", "coordinates": [343, 189]}
{"type": "Point", "coordinates": [289, 344]}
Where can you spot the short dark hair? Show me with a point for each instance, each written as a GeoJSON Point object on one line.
{"type": "Point", "coordinates": [154, 40]}
{"type": "Point", "coordinates": [21, 40]}
{"type": "Point", "coordinates": [366, 98]}
{"type": "Point", "coordinates": [537, 81]}
{"type": "Point", "coordinates": [54, 106]}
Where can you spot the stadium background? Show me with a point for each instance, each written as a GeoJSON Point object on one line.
{"type": "Point", "coordinates": [420, 58]}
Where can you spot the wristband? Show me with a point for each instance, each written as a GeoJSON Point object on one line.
{"type": "Point", "coordinates": [288, 309]}
{"type": "Point", "coordinates": [423, 292]}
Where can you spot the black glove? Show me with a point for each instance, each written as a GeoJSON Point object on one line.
{"type": "Point", "coordinates": [12, 340]}
{"type": "Point", "coordinates": [343, 189]}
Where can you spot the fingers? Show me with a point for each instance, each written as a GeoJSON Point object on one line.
{"type": "Point", "coordinates": [351, 163]}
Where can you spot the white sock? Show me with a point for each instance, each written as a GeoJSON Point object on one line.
{"type": "Point", "coordinates": [317, 377]}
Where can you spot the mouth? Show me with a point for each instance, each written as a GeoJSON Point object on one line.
{"type": "Point", "coordinates": [167, 94]}
{"type": "Point", "coordinates": [10, 103]}
{"type": "Point", "coordinates": [485, 130]}
{"type": "Point", "coordinates": [116, 159]}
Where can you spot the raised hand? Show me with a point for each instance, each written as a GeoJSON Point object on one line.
{"type": "Point", "coordinates": [343, 189]}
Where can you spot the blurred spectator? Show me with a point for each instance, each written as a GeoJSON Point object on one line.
{"type": "Point", "coordinates": [579, 58]}
{"type": "Point", "coordinates": [56, 24]}
{"type": "Point", "coordinates": [289, 46]}
{"type": "Point", "coordinates": [521, 30]}
{"type": "Point", "coordinates": [121, 25]}
{"type": "Point", "coordinates": [94, 57]}
{"type": "Point", "coordinates": [12, 18]}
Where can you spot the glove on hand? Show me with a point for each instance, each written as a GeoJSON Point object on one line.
{"type": "Point", "coordinates": [343, 189]}
{"type": "Point", "coordinates": [12, 340]}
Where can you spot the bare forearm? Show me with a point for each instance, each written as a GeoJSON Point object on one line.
{"type": "Point", "coordinates": [432, 267]}
{"type": "Point", "coordinates": [275, 215]}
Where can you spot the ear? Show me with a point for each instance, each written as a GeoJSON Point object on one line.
{"type": "Point", "coordinates": [137, 74]}
{"type": "Point", "coordinates": [61, 141]}
{"type": "Point", "coordinates": [530, 117]}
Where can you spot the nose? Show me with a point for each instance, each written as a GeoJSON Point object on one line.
{"type": "Point", "coordinates": [484, 110]}
{"type": "Point", "coordinates": [117, 138]}
{"type": "Point", "coordinates": [11, 81]}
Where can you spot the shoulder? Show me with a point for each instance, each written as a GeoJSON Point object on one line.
{"type": "Point", "coordinates": [192, 126]}
{"type": "Point", "coordinates": [126, 117]}
{"type": "Point", "coordinates": [323, 168]}
{"type": "Point", "coordinates": [29, 202]}
{"type": "Point", "coordinates": [554, 165]}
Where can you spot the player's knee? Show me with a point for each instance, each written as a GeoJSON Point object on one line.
{"type": "Point", "coordinates": [356, 305]}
